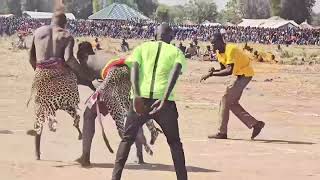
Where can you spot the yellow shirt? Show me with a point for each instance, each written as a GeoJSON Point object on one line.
{"type": "Point", "coordinates": [241, 61]}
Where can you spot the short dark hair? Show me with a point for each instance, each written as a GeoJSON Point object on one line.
{"type": "Point", "coordinates": [85, 47]}
{"type": "Point", "coordinates": [59, 19]}
{"type": "Point", "coordinates": [218, 42]}
{"type": "Point", "coordinates": [164, 32]}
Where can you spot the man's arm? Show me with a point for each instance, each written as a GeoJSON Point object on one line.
{"type": "Point", "coordinates": [81, 73]}
{"type": "Point", "coordinates": [86, 83]}
{"type": "Point", "coordinates": [176, 71]}
{"type": "Point", "coordinates": [72, 62]}
{"type": "Point", "coordinates": [226, 71]}
{"type": "Point", "coordinates": [33, 57]}
{"type": "Point", "coordinates": [135, 79]}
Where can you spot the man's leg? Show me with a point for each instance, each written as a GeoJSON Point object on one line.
{"type": "Point", "coordinates": [132, 125]}
{"type": "Point", "coordinates": [224, 115]}
{"type": "Point", "coordinates": [239, 111]}
{"type": "Point", "coordinates": [230, 98]}
{"type": "Point", "coordinates": [140, 139]}
{"type": "Point", "coordinates": [223, 118]}
{"type": "Point", "coordinates": [88, 133]}
{"type": "Point", "coordinates": [168, 121]}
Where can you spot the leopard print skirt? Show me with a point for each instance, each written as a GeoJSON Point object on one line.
{"type": "Point", "coordinates": [54, 89]}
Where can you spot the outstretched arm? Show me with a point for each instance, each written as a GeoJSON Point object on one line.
{"type": "Point", "coordinates": [223, 72]}
{"type": "Point", "coordinates": [33, 58]}
{"type": "Point", "coordinates": [72, 61]}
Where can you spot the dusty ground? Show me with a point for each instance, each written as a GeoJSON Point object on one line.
{"type": "Point", "coordinates": [288, 147]}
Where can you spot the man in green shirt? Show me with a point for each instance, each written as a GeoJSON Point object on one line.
{"type": "Point", "coordinates": [155, 68]}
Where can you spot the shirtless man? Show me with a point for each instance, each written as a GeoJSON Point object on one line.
{"type": "Point", "coordinates": [112, 97]}
{"type": "Point", "coordinates": [55, 83]}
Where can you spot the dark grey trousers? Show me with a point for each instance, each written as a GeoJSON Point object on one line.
{"type": "Point", "coordinates": [89, 131]}
{"type": "Point", "coordinates": [167, 118]}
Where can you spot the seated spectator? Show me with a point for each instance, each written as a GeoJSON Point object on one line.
{"type": "Point", "coordinates": [191, 51]}
{"type": "Point", "coordinates": [96, 44]}
{"type": "Point", "coordinates": [124, 46]}
{"type": "Point", "coordinates": [208, 54]}
{"type": "Point", "coordinates": [182, 48]}
{"type": "Point", "coordinates": [21, 42]}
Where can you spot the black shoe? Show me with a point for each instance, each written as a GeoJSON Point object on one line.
{"type": "Point", "coordinates": [218, 136]}
{"type": "Point", "coordinates": [257, 129]}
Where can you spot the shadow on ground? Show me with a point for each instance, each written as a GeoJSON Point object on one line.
{"type": "Point", "coordinates": [275, 141]}
{"type": "Point", "coordinates": [149, 167]}
{"type": "Point", "coordinates": [5, 132]}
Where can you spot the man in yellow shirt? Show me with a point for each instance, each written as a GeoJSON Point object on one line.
{"type": "Point", "coordinates": [233, 61]}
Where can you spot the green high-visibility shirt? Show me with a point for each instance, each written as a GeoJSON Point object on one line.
{"type": "Point", "coordinates": [154, 76]}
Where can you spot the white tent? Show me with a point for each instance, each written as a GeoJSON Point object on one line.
{"type": "Point", "coordinates": [6, 15]}
{"type": "Point", "coordinates": [273, 22]}
{"type": "Point", "coordinates": [44, 15]}
{"type": "Point", "coordinates": [306, 25]}
{"type": "Point", "coordinates": [229, 24]}
{"type": "Point", "coordinates": [208, 23]}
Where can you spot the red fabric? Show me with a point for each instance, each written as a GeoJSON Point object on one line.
{"type": "Point", "coordinates": [118, 62]}
{"type": "Point", "coordinates": [52, 63]}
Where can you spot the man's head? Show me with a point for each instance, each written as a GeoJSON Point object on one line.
{"type": "Point", "coordinates": [218, 42]}
{"type": "Point", "coordinates": [164, 33]}
{"type": "Point", "coordinates": [84, 50]}
{"type": "Point", "coordinates": [59, 18]}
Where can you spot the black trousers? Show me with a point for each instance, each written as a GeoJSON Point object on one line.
{"type": "Point", "coordinates": [167, 118]}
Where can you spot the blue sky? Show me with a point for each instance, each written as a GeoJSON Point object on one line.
{"type": "Point", "coordinates": [222, 3]}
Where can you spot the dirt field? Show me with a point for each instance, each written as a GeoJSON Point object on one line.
{"type": "Point", "coordinates": [288, 147]}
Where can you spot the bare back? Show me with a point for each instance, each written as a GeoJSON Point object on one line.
{"type": "Point", "coordinates": [50, 42]}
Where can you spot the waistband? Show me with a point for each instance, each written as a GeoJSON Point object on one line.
{"type": "Point", "coordinates": [52, 62]}
{"type": "Point", "coordinates": [109, 65]}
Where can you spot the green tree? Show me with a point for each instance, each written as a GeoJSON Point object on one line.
{"type": "Point", "coordinates": [97, 6]}
{"type": "Point", "coordinates": [297, 10]}
{"type": "Point", "coordinates": [276, 7]}
{"type": "Point", "coordinates": [147, 7]}
{"type": "Point", "coordinates": [255, 9]}
{"type": "Point", "coordinates": [4, 7]}
{"type": "Point", "coordinates": [80, 8]}
{"type": "Point", "coordinates": [201, 10]}
{"type": "Point", "coordinates": [231, 13]}
{"type": "Point", "coordinates": [162, 13]}
{"type": "Point", "coordinates": [316, 19]}
{"type": "Point", "coordinates": [14, 7]}
{"type": "Point", "coordinates": [177, 14]}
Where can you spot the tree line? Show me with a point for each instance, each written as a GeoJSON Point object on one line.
{"type": "Point", "coordinates": [196, 11]}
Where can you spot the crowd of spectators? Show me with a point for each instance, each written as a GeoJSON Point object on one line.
{"type": "Point", "coordinates": [134, 30]}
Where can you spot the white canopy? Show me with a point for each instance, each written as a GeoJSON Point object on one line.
{"type": "Point", "coordinates": [44, 15]}
{"type": "Point", "coordinates": [273, 22]}
{"type": "Point", "coordinates": [6, 15]}
{"type": "Point", "coordinates": [306, 25]}
{"type": "Point", "coordinates": [208, 23]}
